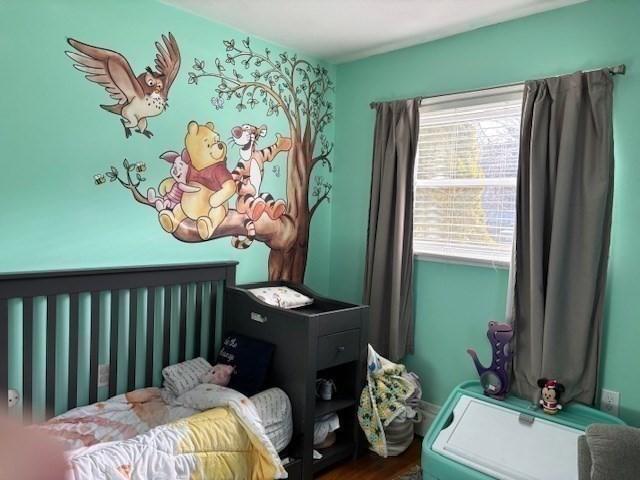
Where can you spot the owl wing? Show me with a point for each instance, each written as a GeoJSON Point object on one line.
{"type": "Point", "coordinates": [106, 68]}
{"type": "Point", "coordinates": [168, 61]}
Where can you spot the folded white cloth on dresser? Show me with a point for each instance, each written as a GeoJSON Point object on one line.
{"type": "Point", "coordinates": [283, 297]}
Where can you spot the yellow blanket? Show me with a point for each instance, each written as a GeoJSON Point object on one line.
{"type": "Point", "coordinates": [223, 449]}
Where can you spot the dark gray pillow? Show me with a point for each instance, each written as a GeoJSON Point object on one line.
{"type": "Point", "coordinates": [615, 452]}
{"type": "Point", "coordinates": [251, 358]}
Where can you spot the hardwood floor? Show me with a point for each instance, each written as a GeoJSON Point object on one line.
{"type": "Point", "coordinates": [372, 467]}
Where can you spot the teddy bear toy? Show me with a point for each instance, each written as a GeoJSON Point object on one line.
{"type": "Point", "coordinates": [219, 374]}
{"type": "Point", "coordinates": [551, 391]}
{"type": "Point", "coordinates": [13, 397]}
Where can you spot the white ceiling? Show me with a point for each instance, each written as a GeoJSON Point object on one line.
{"type": "Point", "coordinates": [344, 30]}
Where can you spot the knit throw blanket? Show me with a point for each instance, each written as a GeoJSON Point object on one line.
{"type": "Point", "coordinates": [383, 399]}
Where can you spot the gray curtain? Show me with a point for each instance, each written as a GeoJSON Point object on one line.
{"type": "Point", "coordinates": [389, 267]}
{"type": "Point", "coordinates": [565, 189]}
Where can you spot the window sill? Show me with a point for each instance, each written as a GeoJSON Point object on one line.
{"type": "Point", "coordinates": [474, 262]}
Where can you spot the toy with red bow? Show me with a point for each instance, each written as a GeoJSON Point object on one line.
{"type": "Point", "coordinates": [551, 391]}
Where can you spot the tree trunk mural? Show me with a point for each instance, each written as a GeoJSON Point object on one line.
{"type": "Point", "coordinates": [282, 84]}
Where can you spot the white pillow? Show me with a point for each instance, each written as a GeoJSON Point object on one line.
{"type": "Point", "coordinates": [184, 376]}
{"type": "Point", "coordinates": [283, 297]}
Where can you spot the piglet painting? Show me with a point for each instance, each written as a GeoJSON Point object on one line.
{"type": "Point", "coordinates": [179, 172]}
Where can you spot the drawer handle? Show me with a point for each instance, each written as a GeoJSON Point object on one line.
{"type": "Point", "coordinates": [340, 349]}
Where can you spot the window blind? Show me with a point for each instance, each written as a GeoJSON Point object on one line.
{"type": "Point", "coordinates": [465, 175]}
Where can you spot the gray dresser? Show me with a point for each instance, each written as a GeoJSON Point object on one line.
{"type": "Point", "coordinates": [327, 339]}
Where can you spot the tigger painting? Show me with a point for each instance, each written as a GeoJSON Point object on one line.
{"type": "Point", "coordinates": [248, 177]}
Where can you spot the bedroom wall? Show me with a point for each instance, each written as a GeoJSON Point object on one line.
{"type": "Point", "coordinates": [55, 138]}
{"type": "Point", "coordinates": [453, 302]}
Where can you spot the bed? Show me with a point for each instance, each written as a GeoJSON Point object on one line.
{"type": "Point", "coordinates": [84, 351]}
{"type": "Point", "coordinates": [130, 414]}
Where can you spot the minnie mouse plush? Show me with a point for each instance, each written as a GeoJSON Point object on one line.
{"type": "Point", "coordinates": [551, 391]}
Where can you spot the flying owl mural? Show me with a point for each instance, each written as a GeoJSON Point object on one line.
{"type": "Point", "coordinates": [137, 97]}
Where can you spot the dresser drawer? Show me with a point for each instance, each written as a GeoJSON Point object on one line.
{"type": "Point", "coordinates": [338, 348]}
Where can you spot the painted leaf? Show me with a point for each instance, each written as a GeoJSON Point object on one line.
{"type": "Point", "coordinates": [198, 64]}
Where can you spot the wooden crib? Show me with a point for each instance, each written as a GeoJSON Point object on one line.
{"type": "Point", "coordinates": [64, 334]}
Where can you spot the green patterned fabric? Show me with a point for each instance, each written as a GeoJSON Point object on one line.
{"type": "Point", "coordinates": [382, 400]}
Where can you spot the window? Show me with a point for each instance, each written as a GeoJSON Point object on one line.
{"type": "Point", "coordinates": [465, 176]}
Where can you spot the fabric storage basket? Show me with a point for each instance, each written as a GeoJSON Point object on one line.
{"type": "Point", "coordinates": [399, 435]}
{"type": "Point", "coordinates": [428, 412]}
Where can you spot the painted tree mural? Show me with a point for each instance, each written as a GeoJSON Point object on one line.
{"type": "Point", "coordinates": [281, 84]}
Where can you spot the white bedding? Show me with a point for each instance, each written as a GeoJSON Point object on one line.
{"type": "Point", "coordinates": [274, 409]}
{"type": "Point", "coordinates": [128, 415]}
{"type": "Point", "coordinates": [225, 440]}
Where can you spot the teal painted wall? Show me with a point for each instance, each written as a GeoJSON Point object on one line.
{"type": "Point", "coordinates": [55, 138]}
{"type": "Point", "coordinates": [453, 302]}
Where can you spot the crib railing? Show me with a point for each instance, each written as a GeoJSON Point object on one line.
{"type": "Point", "coordinates": [68, 338]}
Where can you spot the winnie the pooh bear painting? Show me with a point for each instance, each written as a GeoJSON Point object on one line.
{"type": "Point", "coordinates": [206, 155]}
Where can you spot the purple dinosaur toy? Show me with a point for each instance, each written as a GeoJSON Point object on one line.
{"type": "Point", "coordinates": [495, 378]}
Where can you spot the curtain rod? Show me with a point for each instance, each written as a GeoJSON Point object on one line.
{"type": "Point", "coordinates": [615, 70]}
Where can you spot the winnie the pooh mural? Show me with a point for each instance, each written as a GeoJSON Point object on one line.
{"type": "Point", "coordinates": [194, 202]}
{"type": "Point", "coordinates": [211, 185]}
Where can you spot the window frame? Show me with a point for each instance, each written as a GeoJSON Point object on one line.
{"type": "Point", "coordinates": [457, 100]}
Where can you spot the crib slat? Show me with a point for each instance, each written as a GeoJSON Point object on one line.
{"type": "Point", "coordinates": [94, 346]}
{"type": "Point", "coordinates": [4, 351]}
{"type": "Point", "coordinates": [133, 331]}
{"type": "Point", "coordinates": [212, 321]}
{"type": "Point", "coordinates": [113, 345]}
{"type": "Point", "coordinates": [182, 335]}
{"type": "Point", "coordinates": [50, 395]}
{"type": "Point", "coordinates": [27, 357]}
{"type": "Point", "coordinates": [72, 394]}
{"type": "Point", "coordinates": [166, 327]}
{"type": "Point", "coordinates": [151, 321]}
{"type": "Point", "coordinates": [197, 344]}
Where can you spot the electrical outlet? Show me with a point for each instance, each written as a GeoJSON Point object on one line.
{"type": "Point", "coordinates": [103, 375]}
{"type": "Point", "coordinates": [610, 402]}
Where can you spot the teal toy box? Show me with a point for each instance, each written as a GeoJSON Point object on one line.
{"type": "Point", "coordinates": [475, 437]}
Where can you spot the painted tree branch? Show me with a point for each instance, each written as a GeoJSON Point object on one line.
{"type": "Point", "coordinates": [321, 191]}
{"type": "Point", "coordinates": [323, 158]}
{"type": "Point", "coordinates": [279, 234]}
{"type": "Point", "coordinates": [239, 85]}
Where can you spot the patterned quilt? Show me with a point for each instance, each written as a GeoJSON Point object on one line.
{"type": "Point", "coordinates": [207, 432]}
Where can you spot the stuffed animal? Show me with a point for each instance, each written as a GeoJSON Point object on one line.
{"type": "Point", "coordinates": [551, 391]}
{"type": "Point", "coordinates": [13, 397]}
{"type": "Point", "coordinates": [219, 374]}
